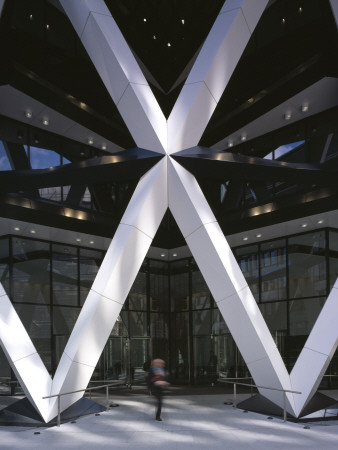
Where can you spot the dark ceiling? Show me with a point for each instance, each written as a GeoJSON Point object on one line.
{"type": "Point", "coordinates": [291, 49]}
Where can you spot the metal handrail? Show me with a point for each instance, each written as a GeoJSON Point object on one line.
{"type": "Point", "coordinates": [81, 390]}
{"type": "Point", "coordinates": [261, 387]}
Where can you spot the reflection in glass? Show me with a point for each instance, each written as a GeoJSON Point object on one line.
{"type": "Point", "coordinates": [65, 275]}
{"type": "Point", "coordinates": [248, 261]}
{"type": "Point", "coordinates": [90, 262]}
{"type": "Point", "coordinates": [31, 271]}
{"type": "Point", "coordinates": [333, 239]}
{"type": "Point", "coordinates": [273, 271]}
{"type": "Point", "coordinates": [201, 297]}
{"type": "Point", "coordinates": [4, 264]}
{"type": "Point", "coordinates": [307, 265]}
{"type": "Point", "coordinates": [138, 293]}
{"type": "Point", "coordinates": [36, 320]}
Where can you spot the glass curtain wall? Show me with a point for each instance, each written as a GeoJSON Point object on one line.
{"type": "Point", "coordinates": [170, 312]}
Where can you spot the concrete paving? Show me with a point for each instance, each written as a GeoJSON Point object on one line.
{"type": "Point", "coordinates": [189, 422]}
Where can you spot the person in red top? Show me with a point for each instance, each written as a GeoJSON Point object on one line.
{"type": "Point", "coordinates": [158, 379]}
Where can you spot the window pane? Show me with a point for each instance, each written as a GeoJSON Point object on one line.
{"type": "Point", "coordinates": [36, 320]}
{"type": "Point", "coordinates": [65, 275]}
{"type": "Point", "coordinates": [333, 239]}
{"type": "Point", "coordinates": [138, 293]}
{"type": "Point", "coordinates": [4, 162]}
{"type": "Point", "coordinates": [201, 297]}
{"type": "Point", "coordinates": [31, 271]}
{"type": "Point", "coordinates": [307, 265]}
{"type": "Point", "coordinates": [90, 262]}
{"type": "Point", "coordinates": [247, 258]}
{"type": "Point", "coordinates": [4, 264]}
{"type": "Point", "coordinates": [41, 158]}
{"type": "Point", "coordinates": [273, 271]}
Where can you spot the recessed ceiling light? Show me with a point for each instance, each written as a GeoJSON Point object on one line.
{"type": "Point", "coordinates": [154, 37]}
{"type": "Point", "coordinates": [300, 10]}
{"type": "Point", "coordinates": [104, 147]}
{"type": "Point", "coordinates": [90, 141]}
{"type": "Point", "coordinates": [174, 254]}
{"type": "Point", "coordinates": [144, 20]}
{"type": "Point", "coordinates": [31, 17]}
{"type": "Point", "coordinates": [78, 240]}
{"type": "Point", "coordinates": [283, 20]}
{"type": "Point", "coordinates": [287, 115]}
{"type": "Point", "coordinates": [304, 107]}
{"type": "Point", "coordinates": [245, 238]}
{"type": "Point", "coordinates": [16, 228]}
{"type": "Point", "coordinates": [304, 225]}
{"type": "Point", "coordinates": [29, 114]}
{"type": "Point", "coordinates": [258, 235]}
{"type": "Point", "coordinates": [81, 153]}
{"type": "Point", "coordinates": [182, 21]}
{"type": "Point", "coordinates": [163, 255]}
{"type": "Point", "coordinates": [251, 100]}
{"type": "Point", "coordinates": [320, 221]}
{"type": "Point", "coordinates": [168, 45]}
{"type": "Point", "coordinates": [91, 242]}
{"type": "Point", "coordinates": [33, 231]}
{"type": "Point", "coordinates": [45, 122]}
{"type": "Point", "coordinates": [230, 144]}
{"type": "Point", "coordinates": [243, 137]}
{"type": "Point", "coordinates": [47, 26]}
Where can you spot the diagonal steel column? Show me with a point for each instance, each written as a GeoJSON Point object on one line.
{"type": "Point", "coordinates": [211, 72]}
{"type": "Point", "coordinates": [227, 284]}
{"type": "Point", "coordinates": [119, 71]}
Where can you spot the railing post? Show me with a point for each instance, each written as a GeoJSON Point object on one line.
{"type": "Point", "coordinates": [107, 398]}
{"type": "Point", "coordinates": [235, 399]}
{"type": "Point", "coordinates": [284, 405]}
{"type": "Point", "coordinates": [59, 414]}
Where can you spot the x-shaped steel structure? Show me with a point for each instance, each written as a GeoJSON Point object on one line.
{"type": "Point", "coordinates": [167, 185]}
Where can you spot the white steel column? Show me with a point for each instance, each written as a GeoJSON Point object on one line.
{"type": "Point", "coordinates": [23, 357]}
{"type": "Point", "coordinates": [119, 71]}
{"type": "Point", "coordinates": [211, 72]}
{"type": "Point", "coordinates": [227, 284]}
{"type": "Point", "coordinates": [112, 285]}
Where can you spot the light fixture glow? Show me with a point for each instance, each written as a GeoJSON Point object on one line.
{"type": "Point", "coordinates": [154, 37]}
{"type": "Point", "coordinates": [31, 17]}
{"type": "Point", "coordinates": [29, 114]}
{"type": "Point", "coordinates": [304, 107]}
{"type": "Point", "coordinates": [91, 242]}
{"type": "Point", "coordinates": [251, 100]}
{"type": "Point", "coordinates": [45, 122]}
{"type": "Point", "coordinates": [144, 20]}
{"type": "Point", "coordinates": [163, 255]}
{"type": "Point", "coordinates": [230, 144]}
{"type": "Point", "coordinates": [182, 21]}
{"type": "Point", "coordinates": [33, 231]}
{"type": "Point", "coordinates": [258, 235]}
{"type": "Point", "coordinates": [283, 20]}
{"type": "Point", "coordinates": [168, 45]}
{"type": "Point", "coordinates": [90, 141]}
{"type": "Point", "coordinates": [78, 240]}
{"type": "Point", "coordinates": [287, 115]}
{"type": "Point", "coordinates": [245, 238]}
{"type": "Point", "coordinates": [320, 221]}
{"type": "Point", "coordinates": [174, 254]}
{"type": "Point", "coordinates": [304, 225]}
{"type": "Point", "coordinates": [16, 228]}
{"type": "Point", "coordinates": [243, 137]}
{"type": "Point", "coordinates": [104, 147]}
{"type": "Point", "coordinates": [47, 26]}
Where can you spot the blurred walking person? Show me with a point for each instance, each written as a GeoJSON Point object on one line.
{"type": "Point", "coordinates": [158, 380]}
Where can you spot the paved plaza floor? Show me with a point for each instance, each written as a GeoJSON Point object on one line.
{"type": "Point", "coordinates": [189, 422]}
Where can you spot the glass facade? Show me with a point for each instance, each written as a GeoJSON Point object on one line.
{"type": "Point", "coordinates": [170, 312]}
